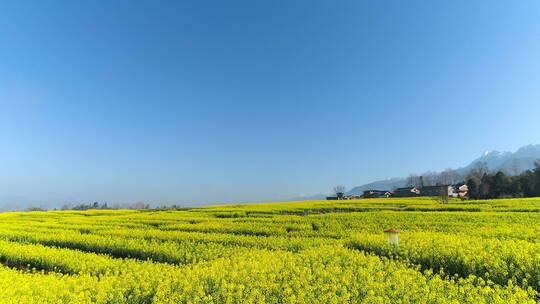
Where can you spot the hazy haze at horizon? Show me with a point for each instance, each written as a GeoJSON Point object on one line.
{"type": "Point", "coordinates": [207, 101]}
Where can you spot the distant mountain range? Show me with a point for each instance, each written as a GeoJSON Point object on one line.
{"type": "Point", "coordinates": [511, 163]}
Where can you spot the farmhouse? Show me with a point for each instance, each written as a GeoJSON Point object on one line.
{"type": "Point", "coordinates": [448, 190]}
{"type": "Point", "coordinates": [376, 194]}
{"type": "Point", "coordinates": [452, 191]}
{"type": "Point", "coordinates": [463, 191]}
{"type": "Point", "coordinates": [407, 192]}
{"type": "Point", "coordinates": [343, 197]}
{"type": "Point", "coordinates": [438, 190]}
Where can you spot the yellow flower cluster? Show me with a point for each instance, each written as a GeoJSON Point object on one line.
{"type": "Point", "coordinates": [500, 261]}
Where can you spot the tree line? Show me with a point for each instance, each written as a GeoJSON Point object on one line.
{"type": "Point", "coordinates": [484, 184]}
{"type": "Point", "coordinates": [446, 177]}
{"type": "Point", "coordinates": [105, 206]}
{"type": "Point", "coordinates": [86, 206]}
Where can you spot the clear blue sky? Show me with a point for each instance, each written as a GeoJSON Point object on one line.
{"type": "Point", "coordinates": [214, 101]}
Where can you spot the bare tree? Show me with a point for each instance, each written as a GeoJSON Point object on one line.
{"type": "Point", "coordinates": [139, 205]}
{"type": "Point", "coordinates": [339, 190]}
{"type": "Point", "coordinates": [448, 177]}
{"type": "Point", "coordinates": [414, 181]}
{"type": "Point", "coordinates": [429, 179]}
{"type": "Point", "coordinates": [442, 198]}
{"type": "Point", "coordinates": [479, 170]}
{"type": "Point", "coordinates": [514, 167]}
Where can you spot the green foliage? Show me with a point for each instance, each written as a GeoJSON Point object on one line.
{"type": "Point", "coordinates": [486, 185]}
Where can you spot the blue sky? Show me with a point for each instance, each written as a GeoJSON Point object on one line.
{"type": "Point", "coordinates": [220, 101]}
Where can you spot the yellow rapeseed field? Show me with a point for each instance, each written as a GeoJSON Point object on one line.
{"type": "Point", "coordinates": [296, 252]}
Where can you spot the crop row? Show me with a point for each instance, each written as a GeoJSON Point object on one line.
{"type": "Point", "coordinates": [326, 275]}
{"type": "Point", "coordinates": [501, 261]}
{"type": "Point", "coordinates": [39, 257]}
{"type": "Point", "coordinates": [181, 252]}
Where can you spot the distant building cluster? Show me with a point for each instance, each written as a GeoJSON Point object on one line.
{"type": "Point", "coordinates": [444, 190]}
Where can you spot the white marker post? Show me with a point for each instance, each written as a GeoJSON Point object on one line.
{"type": "Point", "coordinates": [393, 239]}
